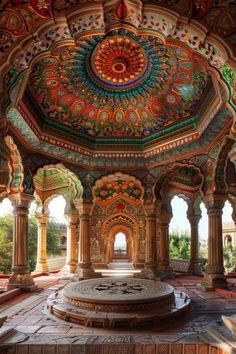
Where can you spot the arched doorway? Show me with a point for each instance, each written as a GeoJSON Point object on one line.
{"type": "Point", "coordinates": [120, 245]}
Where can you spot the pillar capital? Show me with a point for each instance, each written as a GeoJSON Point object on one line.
{"type": "Point", "coordinates": [194, 219]}
{"type": "Point", "coordinates": [85, 210]}
{"type": "Point", "coordinates": [72, 217]}
{"type": "Point", "coordinates": [214, 201]}
{"type": "Point", "coordinates": [164, 218]}
{"type": "Point", "coordinates": [150, 210]}
{"type": "Point", "coordinates": [42, 219]}
{"type": "Point", "coordinates": [21, 200]}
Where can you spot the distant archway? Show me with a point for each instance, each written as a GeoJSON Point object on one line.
{"type": "Point", "coordinates": [120, 244]}
{"type": "Point", "coordinates": [227, 240]}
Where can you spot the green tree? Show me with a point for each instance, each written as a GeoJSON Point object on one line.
{"type": "Point", "coordinates": [229, 258]}
{"type": "Point", "coordinates": [179, 246]}
{"type": "Point", "coordinates": [6, 229]}
{"type": "Point", "coordinates": [6, 226]}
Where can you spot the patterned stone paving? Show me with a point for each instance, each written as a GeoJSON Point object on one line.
{"type": "Point", "coordinates": [27, 317]}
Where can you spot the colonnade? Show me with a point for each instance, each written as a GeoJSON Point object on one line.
{"type": "Point", "coordinates": [157, 227]}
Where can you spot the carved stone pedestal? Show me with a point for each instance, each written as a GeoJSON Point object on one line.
{"type": "Point", "coordinates": [85, 271]}
{"type": "Point", "coordinates": [21, 278]}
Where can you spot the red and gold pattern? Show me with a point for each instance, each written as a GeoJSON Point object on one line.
{"type": "Point", "coordinates": [119, 60]}
{"type": "Point", "coordinates": [42, 7]}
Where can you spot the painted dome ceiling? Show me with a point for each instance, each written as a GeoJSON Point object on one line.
{"type": "Point", "coordinates": [119, 85]}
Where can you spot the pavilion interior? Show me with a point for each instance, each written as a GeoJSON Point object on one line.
{"type": "Point", "coordinates": [118, 106]}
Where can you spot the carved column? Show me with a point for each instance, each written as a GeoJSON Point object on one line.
{"type": "Point", "coordinates": [41, 264]}
{"type": "Point", "coordinates": [163, 225]}
{"type": "Point", "coordinates": [72, 223]}
{"type": "Point", "coordinates": [85, 269]}
{"type": "Point", "coordinates": [150, 270]}
{"type": "Point", "coordinates": [214, 277]}
{"type": "Point", "coordinates": [194, 265]}
{"type": "Point", "coordinates": [21, 277]}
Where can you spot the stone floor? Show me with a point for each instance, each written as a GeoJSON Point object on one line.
{"type": "Point", "coordinates": [27, 315]}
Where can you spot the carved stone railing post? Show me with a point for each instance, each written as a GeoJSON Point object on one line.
{"type": "Point", "coordinates": [214, 277]}
{"type": "Point", "coordinates": [41, 263]}
{"type": "Point", "coordinates": [21, 277]}
{"type": "Point", "coordinates": [194, 265]}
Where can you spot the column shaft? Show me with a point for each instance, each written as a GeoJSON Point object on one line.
{"type": "Point", "coordinates": [72, 221]}
{"type": "Point", "coordinates": [21, 277]}
{"type": "Point", "coordinates": [194, 265]}
{"type": "Point", "coordinates": [164, 261]}
{"type": "Point", "coordinates": [85, 269]}
{"type": "Point", "coordinates": [215, 270]}
{"type": "Point", "coordinates": [150, 270]}
{"type": "Point", "coordinates": [41, 264]}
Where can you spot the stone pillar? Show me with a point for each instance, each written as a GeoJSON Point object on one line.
{"type": "Point", "coordinates": [21, 277]}
{"type": "Point", "coordinates": [72, 222]}
{"type": "Point", "coordinates": [85, 269]}
{"type": "Point", "coordinates": [150, 270]}
{"type": "Point", "coordinates": [194, 265]}
{"type": "Point", "coordinates": [41, 264]}
{"type": "Point", "coordinates": [163, 224]}
{"type": "Point", "coordinates": [214, 277]}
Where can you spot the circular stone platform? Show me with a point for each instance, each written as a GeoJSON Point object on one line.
{"type": "Point", "coordinates": [112, 302]}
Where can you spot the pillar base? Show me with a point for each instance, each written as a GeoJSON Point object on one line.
{"type": "Point", "coordinates": [211, 282]}
{"type": "Point", "coordinates": [149, 272]}
{"type": "Point", "coordinates": [69, 268]}
{"type": "Point", "coordinates": [194, 267]}
{"type": "Point", "coordinates": [41, 267]}
{"type": "Point", "coordinates": [164, 267]}
{"type": "Point", "coordinates": [85, 271]}
{"type": "Point", "coordinates": [22, 280]}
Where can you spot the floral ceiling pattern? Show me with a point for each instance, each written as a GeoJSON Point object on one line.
{"type": "Point", "coordinates": [119, 84]}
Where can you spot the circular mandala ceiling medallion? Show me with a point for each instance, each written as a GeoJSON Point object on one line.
{"type": "Point", "coordinates": [119, 62]}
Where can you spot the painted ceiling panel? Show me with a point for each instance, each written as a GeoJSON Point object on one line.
{"type": "Point", "coordinates": [119, 85]}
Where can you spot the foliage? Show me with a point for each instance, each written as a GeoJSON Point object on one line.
{"type": "Point", "coordinates": [179, 246]}
{"type": "Point", "coordinates": [6, 226]}
{"type": "Point", "coordinates": [6, 245]}
{"type": "Point", "coordinates": [203, 255]}
{"type": "Point", "coordinates": [229, 258]}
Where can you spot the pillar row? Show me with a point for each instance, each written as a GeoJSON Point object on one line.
{"type": "Point", "coordinates": [21, 277]}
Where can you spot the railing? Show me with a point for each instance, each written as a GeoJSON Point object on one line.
{"type": "Point", "coordinates": [56, 263]}
{"type": "Point", "coordinates": [179, 265]}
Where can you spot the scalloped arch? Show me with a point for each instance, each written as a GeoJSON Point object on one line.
{"type": "Point", "coordinates": [52, 180]}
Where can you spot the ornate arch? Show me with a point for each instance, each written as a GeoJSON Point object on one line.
{"type": "Point", "coordinates": [112, 187]}
{"type": "Point", "coordinates": [52, 180]}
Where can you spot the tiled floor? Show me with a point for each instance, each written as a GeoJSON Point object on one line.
{"type": "Point", "coordinates": [27, 312]}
